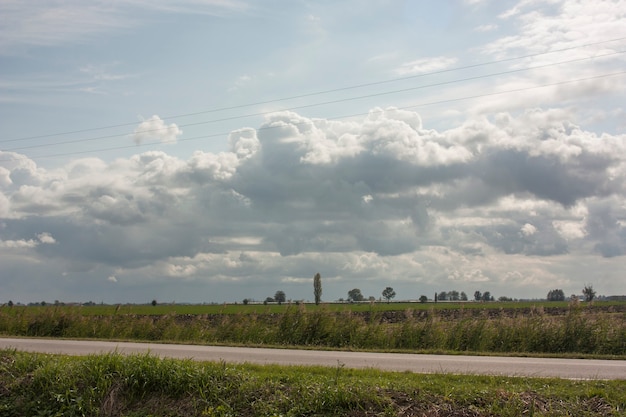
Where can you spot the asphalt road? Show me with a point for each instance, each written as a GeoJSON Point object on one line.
{"type": "Point", "coordinates": [453, 364]}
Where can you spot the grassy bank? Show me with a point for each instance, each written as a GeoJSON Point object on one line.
{"type": "Point", "coordinates": [578, 330]}
{"type": "Point", "coordinates": [114, 385]}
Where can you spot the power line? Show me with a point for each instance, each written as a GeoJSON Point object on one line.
{"type": "Point", "coordinates": [331, 118]}
{"type": "Point", "coordinates": [403, 90]}
{"type": "Point", "coordinates": [320, 92]}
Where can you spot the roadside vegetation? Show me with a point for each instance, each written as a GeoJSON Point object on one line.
{"type": "Point", "coordinates": [142, 385]}
{"type": "Point", "coordinates": [597, 329]}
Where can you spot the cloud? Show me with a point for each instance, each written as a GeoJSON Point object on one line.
{"type": "Point", "coordinates": [112, 278]}
{"type": "Point", "coordinates": [424, 65]}
{"type": "Point", "coordinates": [505, 201]}
{"type": "Point", "coordinates": [528, 230]}
{"type": "Point", "coordinates": [155, 129]}
{"type": "Point", "coordinates": [61, 22]}
{"type": "Point", "coordinates": [41, 239]}
{"type": "Point", "coordinates": [558, 24]}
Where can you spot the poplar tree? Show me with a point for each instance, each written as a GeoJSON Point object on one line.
{"type": "Point", "coordinates": [317, 288]}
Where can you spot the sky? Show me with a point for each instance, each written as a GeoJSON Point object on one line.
{"type": "Point", "coordinates": [198, 151]}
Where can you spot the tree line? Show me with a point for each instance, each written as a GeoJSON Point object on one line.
{"type": "Point", "coordinates": [355, 295]}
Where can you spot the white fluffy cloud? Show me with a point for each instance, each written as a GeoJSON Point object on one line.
{"type": "Point", "coordinates": [155, 129]}
{"type": "Point", "coordinates": [503, 203]}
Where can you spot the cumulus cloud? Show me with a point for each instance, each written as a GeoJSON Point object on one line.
{"type": "Point", "coordinates": [154, 128]}
{"type": "Point", "coordinates": [528, 229]}
{"type": "Point", "coordinates": [507, 201]}
{"type": "Point", "coordinates": [42, 238]}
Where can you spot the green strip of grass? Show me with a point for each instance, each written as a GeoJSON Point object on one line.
{"type": "Point", "coordinates": [199, 309]}
{"type": "Point", "coordinates": [142, 385]}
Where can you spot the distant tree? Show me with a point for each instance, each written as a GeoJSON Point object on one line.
{"type": "Point", "coordinates": [487, 296]}
{"type": "Point", "coordinates": [268, 300]}
{"type": "Point", "coordinates": [355, 295]}
{"type": "Point", "coordinates": [317, 288]}
{"type": "Point", "coordinates": [556, 295]}
{"type": "Point", "coordinates": [245, 301]}
{"type": "Point", "coordinates": [388, 294]}
{"type": "Point", "coordinates": [154, 303]}
{"type": "Point", "coordinates": [463, 296]}
{"type": "Point", "coordinates": [504, 298]}
{"type": "Point", "coordinates": [589, 293]}
{"type": "Point", "coordinates": [43, 303]}
{"type": "Point", "coordinates": [371, 299]}
{"type": "Point", "coordinates": [443, 296]}
{"type": "Point", "coordinates": [10, 303]}
{"type": "Point", "coordinates": [478, 295]}
{"type": "Point", "coordinates": [280, 297]}
{"type": "Point", "coordinates": [453, 295]}
{"type": "Point", "coordinates": [423, 298]}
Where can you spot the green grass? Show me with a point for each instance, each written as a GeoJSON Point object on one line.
{"type": "Point", "coordinates": [142, 385]}
{"type": "Point", "coordinates": [589, 330]}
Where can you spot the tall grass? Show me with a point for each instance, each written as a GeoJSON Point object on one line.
{"type": "Point", "coordinates": [578, 331]}
{"type": "Point", "coordinates": [143, 385]}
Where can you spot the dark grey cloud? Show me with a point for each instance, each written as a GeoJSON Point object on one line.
{"type": "Point", "coordinates": [606, 226]}
{"type": "Point", "coordinates": [546, 176]}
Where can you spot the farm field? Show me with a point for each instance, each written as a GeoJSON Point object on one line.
{"type": "Point", "coordinates": [142, 385]}
{"type": "Point", "coordinates": [259, 308]}
{"type": "Point", "coordinates": [481, 328]}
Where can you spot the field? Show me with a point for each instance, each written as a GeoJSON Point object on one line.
{"type": "Point", "coordinates": [115, 385]}
{"type": "Point", "coordinates": [258, 308]}
{"type": "Point", "coordinates": [482, 328]}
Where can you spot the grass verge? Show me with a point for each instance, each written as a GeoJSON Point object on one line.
{"type": "Point", "coordinates": [142, 385]}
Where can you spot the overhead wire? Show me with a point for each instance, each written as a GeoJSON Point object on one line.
{"type": "Point", "coordinates": [412, 106]}
{"type": "Point", "coordinates": [264, 113]}
{"type": "Point", "coordinates": [235, 107]}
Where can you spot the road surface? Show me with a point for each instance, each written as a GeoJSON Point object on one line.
{"type": "Point", "coordinates": [453, 364]}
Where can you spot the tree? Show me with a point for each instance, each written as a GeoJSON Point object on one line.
{"type": "Point", "coordinates": [589, 293]}
{"type": "Point", "coordinates": [423, 298]}
{"type": "Point", "coordinates": [317, 288]}
{"type": "Point", "coordinates": [556, 295]}
{"type": "Point", "coordinates": [487, 296]}
{"type": "Point", "coordinates": [10, 303]}
{"type": "Point", "coordinates": [443, 296]}
{"type": "Point", "coordinates": [280, 297]}
{"type": "Point", "coordinates": [478, 295]}
{"type": "Point", "coordinates": [463, 296]}
{"type": "Point", "coordinates": [154, 303]}
{"type": "Point", "coordinates": [388, 294]}
{"type": "Point", "coordinates": [245, 301]}
{"type": "Point", "coordinates": [453, 296]}
{"type": "Point", "coordinates": [355, 295]}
